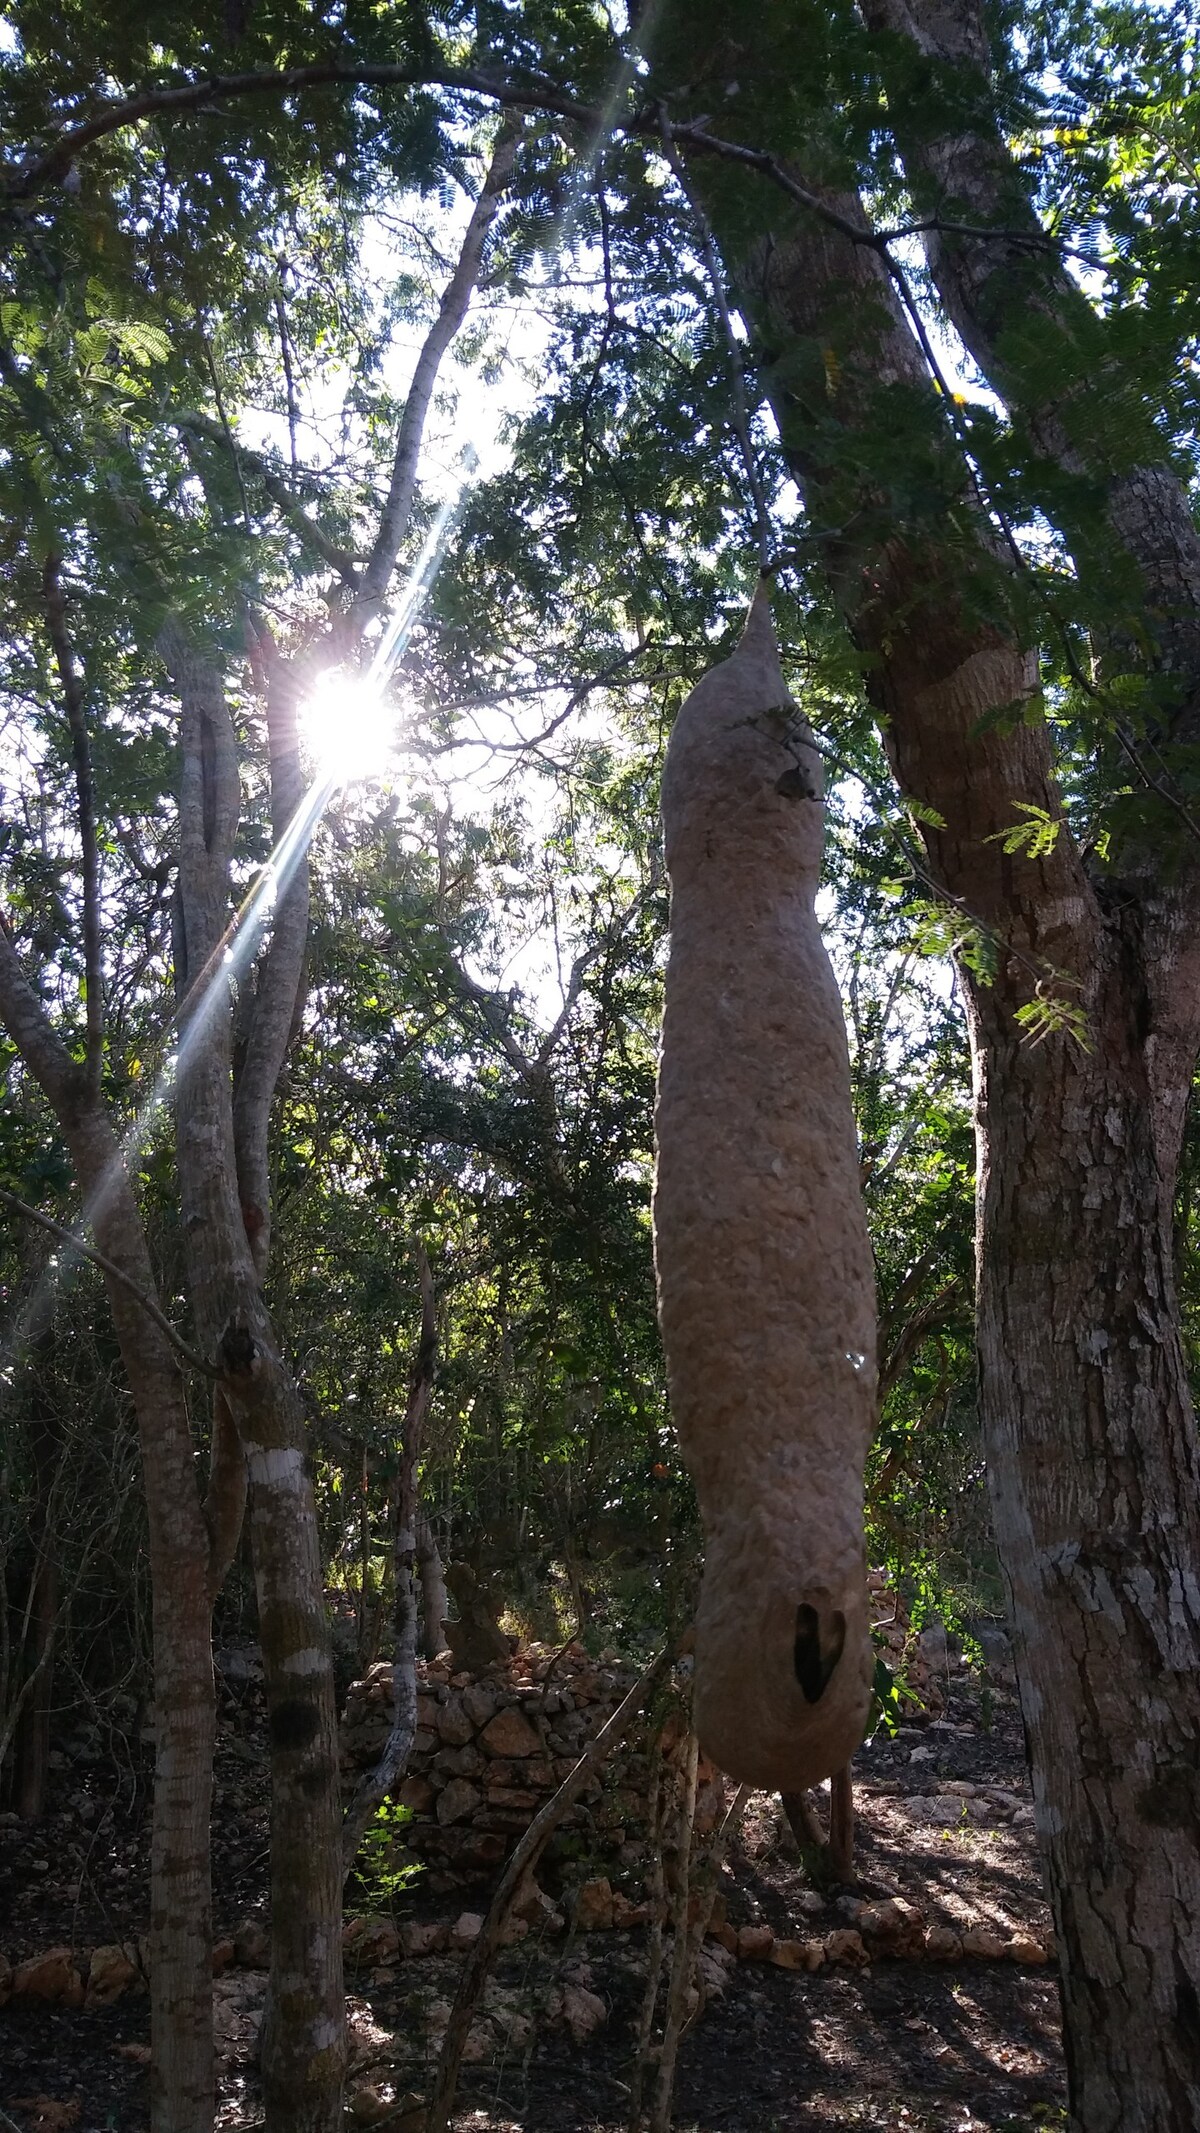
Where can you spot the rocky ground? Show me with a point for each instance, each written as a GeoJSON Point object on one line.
{"type": "Point", "coordinates": [956, 2045]}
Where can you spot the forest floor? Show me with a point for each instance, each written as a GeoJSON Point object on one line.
{"type": "Point", "coordinates": [962, 2047]}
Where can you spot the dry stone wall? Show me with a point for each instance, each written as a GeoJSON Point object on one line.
{"type": "Point", "coordinates": [490, 1749]}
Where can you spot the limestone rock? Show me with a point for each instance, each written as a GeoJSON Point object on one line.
{"type": "Point", "coordinates": [370, 1940]}
{"type": "Point", "coordinates": [417, 1792]}
{"type": "Point", "coordinates": [466, 1929]}
{"type": "Point", "coordinates": [51, 1977]}
{"type": "Point", "coordinates": [464, 1762]}
{"type": "Point", "coordinates": [798, 1954]}
{"type": "Point", "coordinates": [252, 1945]}
{"type": "Point", "coordinates": [1023, 1948]}
{"type": "Point", "coordinates": [479, 1702]}
{"type": "Point", "coordinates": [894, 1927]}
{"type": "Point", "coordinates": [984, 1944]}
{"type": "Point", "coordinates": [846, 1946]}
{"type": "Point", "coordinates": [754, 1944]}
{"type": "Point", "coordinates": [510, 1734]}
{"type": "Point", "coordinates": [454, 1724]}
{"type": "Point", "coordinates": [369, 2105]}
{"type": "Point", "coordinates": [626, 1914]}
{"type": "Point", "coordinates": [942, 1945]}
{"type": "Point", "coordinates": [457, 1800]}
{"type": "Point", "coordinates": [593, 1907]}
{"type": "Point", "coordinates": [583, 2011]}
{"type": "Point", "coordinates": [111, 1972]}
{"type": "Point", "coordinates": [430, 1938]}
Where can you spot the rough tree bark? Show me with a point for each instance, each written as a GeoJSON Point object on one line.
{"type": "Point", "coordinates": [1087, 1419]}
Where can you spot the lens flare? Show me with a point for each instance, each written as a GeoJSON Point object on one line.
{"type": "Point", "coordinates": [349, 730]}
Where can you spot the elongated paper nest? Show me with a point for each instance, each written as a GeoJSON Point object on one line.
{"type": "Point", "coordinates": [765, 1281]}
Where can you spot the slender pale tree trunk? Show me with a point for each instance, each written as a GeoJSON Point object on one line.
{"type": "Point", "coordinates": [302, 2046]}
{"type": "Point", "coordinates": [1088, 1424]}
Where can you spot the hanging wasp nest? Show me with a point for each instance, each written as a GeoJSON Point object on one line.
{"type": "Point", "coordinates": [765, 1281]}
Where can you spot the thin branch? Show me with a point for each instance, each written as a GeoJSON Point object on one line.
{"type": "Point", "coordinates": [311, 533]}
{"type": "Point", "coordinates": [930, 1318]}
{"type": "Point", "coordinates": [114, 1273]}
{"type": "Point", "coordinates": [452, 310]}
{"type": "Point", "coordinates": [31, 1030]}
{"type": "Point", "coordinates": [536, 92]}
{"type": "Point", "coordinates": [85, 790]}
{"type": "Point", "coordinates": [285, 353]}
{"type": "Point", "coordinates": [230, 440]}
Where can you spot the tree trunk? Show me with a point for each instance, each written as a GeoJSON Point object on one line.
{"type": "Point", "coordinates": [1095, 1480]}
{"type": "Point", "coordinates": [1088, 1426]}
{"type": "Point", "coordinates": [31, 1753]}
{"type": "Point", "coordinates": [303, 2030]}
{"type": "Point", "coordinates": [180, 1938]}
{"type": "Point", "coordinates": [182, 2081]}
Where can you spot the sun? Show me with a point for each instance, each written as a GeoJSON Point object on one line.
{"type": "Point", "coordinates": [349, 730]}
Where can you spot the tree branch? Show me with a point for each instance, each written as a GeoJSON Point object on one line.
{"type": "Point", "coordinates": [535, 93]}
{"type": "Point", "coordinates": [452, 310]}
{"type": "Point", "coordinates": [225, 1497]}
{"type": "Point", "coordinates": [29, 1026]}
{"type": "Point", "coordinates": [115, 1273]}
{"type": "Point", "coordinates": [281, 978]}
{"type": "Point", "coordinates": [256, 463]}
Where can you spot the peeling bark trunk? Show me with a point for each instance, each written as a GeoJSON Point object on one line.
{"type": "Point", "coordinates": [1088, 1425]}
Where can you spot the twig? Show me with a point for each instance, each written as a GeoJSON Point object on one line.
{"type": "Point", "coordinates": [524, 1859]}
{"type": "Point", "coordinates": [115, 1273]}
{"type": "Point", "coordinates": [707, 1900]}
